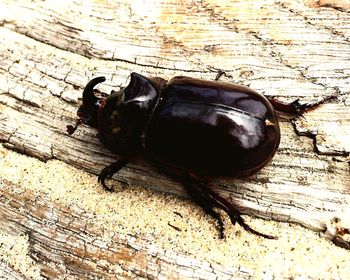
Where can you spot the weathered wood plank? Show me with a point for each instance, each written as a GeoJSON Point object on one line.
{"type": "Point", "coordinates": [294, 49]}
{"type": "Point", "coordinates": [60, 209]}
{"type": "Point", "coordinates": [38, 129]}
{"type": "Point", "coordinates": [67, 235]}
{"type": "Point", "coordinates": [287, 49]}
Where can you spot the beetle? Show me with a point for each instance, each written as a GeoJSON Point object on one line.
{"type": "Point", "coordinates": [192, 129]}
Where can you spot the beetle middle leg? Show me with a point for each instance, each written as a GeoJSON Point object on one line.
{"type": "Point", "coordinates": [220, 74]}
{"type": "Point", "coordinates": [208, 200]}
{"type": "Point", "coordinates": [109, 170]}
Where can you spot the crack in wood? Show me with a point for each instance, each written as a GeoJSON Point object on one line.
{"type": "Point", "coordinates": [298, 186]}
{"type": "Point", "coordinates": [334, 5]}
{"type": "Point", "coordinates": [299, 13]}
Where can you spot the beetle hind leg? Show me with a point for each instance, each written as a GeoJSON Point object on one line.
{"type": "Point", "coordinates": [208, 200]}
{"type": "Point", "coordinates": [295, 107]}
{"type": "Point", "coordinates": [199, 195]}
{"type": "Point", "coordinates": [108, 172]}
{"type": "Point", "coordinates": [235, 215]}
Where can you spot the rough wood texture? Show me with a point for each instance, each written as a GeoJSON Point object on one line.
{"type": "Point", "coordinates": [66, 242]}
{"type": "Point", "coordinates": [287, 49]}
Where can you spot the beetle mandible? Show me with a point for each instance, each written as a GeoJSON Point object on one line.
{"type": "Point", "coordinates": [193, 129]}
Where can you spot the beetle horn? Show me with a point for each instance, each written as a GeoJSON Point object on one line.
{"type": "Point", "coordinates": [89, 97]}
{"type": "Point", "coordinates": [86, 111]}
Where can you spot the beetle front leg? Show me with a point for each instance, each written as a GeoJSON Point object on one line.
{"type": "Point", "coordinates": [109, 171]}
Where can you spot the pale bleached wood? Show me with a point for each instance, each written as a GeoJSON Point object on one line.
{"type": "Point", "coordinates": [282, 48]}
{"type": "Point", "coordinates": [67, 235]}
{"type": "Point", "coordinates": [38, 129]}
{"type": "Point", "coordinates": [288, 49]}
{"type": "Point", "coordinates": [7, 272]}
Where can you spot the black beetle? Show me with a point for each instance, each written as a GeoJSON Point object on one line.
{"type": "Point", "coordinates": [193, 129]}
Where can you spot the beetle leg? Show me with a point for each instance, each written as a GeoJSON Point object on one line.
{"type": "Point", "coordinates": [109, 170]}
{"type": "Point", "coordinates": [295, 107]}
{"type": "Point", "coordinates": [235, 215]}
{"type": "Point", "coordinates": [200, 196]}
{"type": "Point", "coordinates": [208, 199]}
{"type": "Point", "coordinates": [219, 75]}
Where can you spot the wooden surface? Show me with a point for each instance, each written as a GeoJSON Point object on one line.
{"type": "Point", "coordinates": [288, 49]}
{"type": "Point", "coordinates": [66, 241]}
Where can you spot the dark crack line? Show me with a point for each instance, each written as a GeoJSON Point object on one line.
{"type": "Point", "coordinates": [88, 54]}
{"type": "Point", "coordinates": [331, 6]}
{"type": "Point", "coordinates": [279, 58]}
{"type": "Point", "coordinates": [329, 29]}
{"type": "Point", "coordinates": [11, 135]}
{"type": "Point", "coordinates": [312, 136]}
{"type": "Point", "coordinates": [225, 22]}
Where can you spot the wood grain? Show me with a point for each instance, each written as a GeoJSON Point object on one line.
{"type": "Point", "coordinates": [67, 235]}
{"type": "Point", "coordinates": [287, 49]}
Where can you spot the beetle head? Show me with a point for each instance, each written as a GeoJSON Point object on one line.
{"type": "Point", "coordinates": [139, 97]}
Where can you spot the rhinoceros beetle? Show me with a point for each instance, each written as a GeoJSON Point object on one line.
{"type": "Point", "coordinates": [191, 128]}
